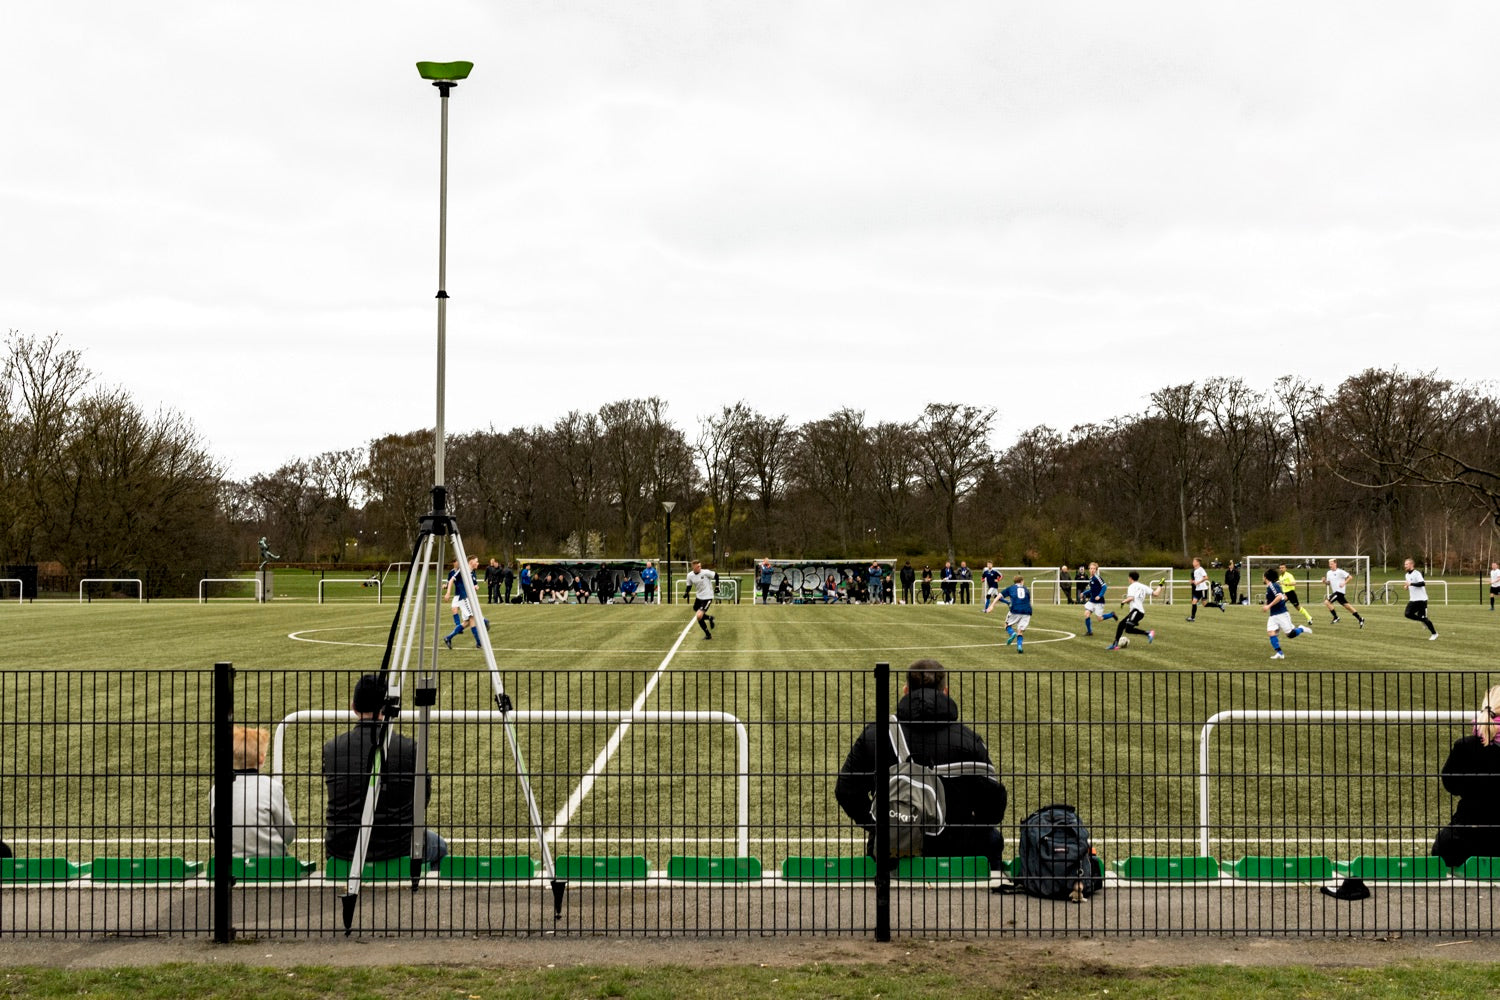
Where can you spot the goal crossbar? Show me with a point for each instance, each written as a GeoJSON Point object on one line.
{"type": "Point", "coordinates": [140, 590]}
{"type": "Point", "coordinates": [20, 587]}
{"type": "Point", "coordinates": [368, 581]}
{"type": "Point", "coordinates": [1357, 566]}
{"type": "Point", "coordinates": [203, 587]}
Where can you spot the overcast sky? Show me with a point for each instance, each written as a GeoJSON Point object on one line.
{"type": "Point", "coordinates": [231, 209]}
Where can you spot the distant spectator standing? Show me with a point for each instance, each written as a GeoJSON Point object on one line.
{"type": "Point", "coordinates": [1066, 585]}
{"type": "Point", "coordinates": [508, 577]}
{"type": "Point", "coordinates": [926, 584]}
{"type": "Point", "coordinates": [1080, 582]}
{"type": "Point", "coordinates": [1494, 583]}
{"type": "Point", "coordinates": [877, 583]}
{"type": "Point", "coordinates": [648, 583]}
{"type": "Point", "coordinates": [763, 576]}
{"type": "Point", "coordinates": [1232, 581]}
{"type": "Point", "coordinates": [604, 584]}
{"type": "Point", "coordinates": [909, 579]}
{"type": "Point", "coordinates": [966, 594]}
{"type": "Point", "coordinates": [527, 597]}
{"type": "Point", "coordinates": [948, 582]}
{"type": "Point", "coordinates": [492, 575]}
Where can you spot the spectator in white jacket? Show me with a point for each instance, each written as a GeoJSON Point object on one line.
{"type": "Point", "coordinates": [263, 825]}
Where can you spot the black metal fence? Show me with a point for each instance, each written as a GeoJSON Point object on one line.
{"type": "Point", "coordinates": [1219, 802]}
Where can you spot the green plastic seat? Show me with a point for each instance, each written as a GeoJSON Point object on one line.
{"type": "Point", "coordinates": [1283, 869]}
{"type": "Point", "coordinates": [602, 868]}
{"type": "Point", "coordinates": [40, 870]}
{"type": "Point", "coordinates": [713, 869]}
{"type": "Point", "coordinates": [1487, 869]}
{"type": "Point", "coordinates": [820, 869]}
{"type": "Point", "coordinates": [1166, 868]}
{"type": "Point", "coordinates": [963, 869]}
{"type": "Point", "coordinates": [283, 868]}
{"type": "Point", "coordinates": [480, 867]}
{"type": "Point", "coordinates": [144, 869]}
{"type": "Point", "coordinates": [390, 870]}
{"type": "Point", "coordinates": [1379, 867]}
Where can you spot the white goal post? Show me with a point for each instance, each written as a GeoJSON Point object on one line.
{"type": "Point", "coordinates": [397, 568]}
{"type": "Point", "coordinates": [1008, 574]}
{"type": "Point", "coordinates": [140, 591]}
{"type": "Point", "coordinates": [367, 581]}
{"type": "Point", "coordinates": [20, 588]}
{"type": "Point", "coordinates": [203, 587]}
{"type": "Point", "coordinates": [1310, 571]}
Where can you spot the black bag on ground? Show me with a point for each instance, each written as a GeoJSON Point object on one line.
{"type": "Point", "coordinates": [1218, 591]}
{"type": "Point", "coordinates": [1056, 856]}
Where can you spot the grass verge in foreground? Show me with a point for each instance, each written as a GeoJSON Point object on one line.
{"type": "Point", "coordinates": [978, 976]}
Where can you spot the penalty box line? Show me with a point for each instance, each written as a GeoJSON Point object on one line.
{"type": "Point", "coordinates": [565, 814]}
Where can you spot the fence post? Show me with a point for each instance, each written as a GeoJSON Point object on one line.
{"type": "Point", "coordinates": [223, 832]}
{"type": "Point", "coordinates": [883, 761]}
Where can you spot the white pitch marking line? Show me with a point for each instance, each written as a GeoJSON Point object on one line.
{"type": "Point", "coordinates": [575, 800]}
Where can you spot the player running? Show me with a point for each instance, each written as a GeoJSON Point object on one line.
{"type": "Point", "coordinates": [1338, 581]}
{"type": "Point", "coordinates": [1017, 599]}
{"type": "Point", "coordinates": [1288, 584]}
{"type": "Point", "coordinates": [1278, 618]}
{"type": "Point", "coordinates": [702, 583]}
{"type": "Point", "coordinates": [991, 577]}
{"type": "Point", "coordinates": [1135, 596]}
{"type": "Point", "coordinates": [1416, 594]}
{"type": "Point", "coordinates": [1494, 583]}
{"type": "Point", "coordinates": [1200, 591]}
{"type": "Point", "coordinates": [460, 590]}
{"type": "Point", "coordinates": [1093, 600]}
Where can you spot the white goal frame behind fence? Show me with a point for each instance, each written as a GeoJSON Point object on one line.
{"type": "Point", "coordinates": [1364, 594]}
{"type": "Point", "coordinates": [203, 587]}
{"type": "Point", "coordinates": [140, 588]}
{"type": "Point", "coordinates": [741, 736]}
{"type": "Point", "coordinates": [1294, 717]}
{"type": "Point", "coordinates": [20, 588]}
{"type": "Point", "coordinates": [1148, 573]}
{"type": "Point", "coordinates": [721, 584]}
{"type": "Point", "coordinates": [1007, 577]}
{"type": "Point", "coordinates": [366, 580]}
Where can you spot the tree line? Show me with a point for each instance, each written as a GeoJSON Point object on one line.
{"type": "Point", "coordinates": [1386, 463]}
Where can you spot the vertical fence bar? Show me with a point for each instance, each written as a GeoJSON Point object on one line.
{"type": "Point", "coordinates": [883, 755]}
{"type": "Point", "coordinates": [223, 832]}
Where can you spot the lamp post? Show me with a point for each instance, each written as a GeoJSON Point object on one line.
{"type": "Point", "coordinates": [667, 506]}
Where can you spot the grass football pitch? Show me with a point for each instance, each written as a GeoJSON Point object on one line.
{"type": "Point", "coordinates": [106, 752]}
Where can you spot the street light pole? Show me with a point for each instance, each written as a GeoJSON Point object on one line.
{"type": "Point", "coordinates": [667, 505]}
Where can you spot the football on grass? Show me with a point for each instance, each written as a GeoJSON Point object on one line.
{"type": "Point", "coordinates": [1124, 641]}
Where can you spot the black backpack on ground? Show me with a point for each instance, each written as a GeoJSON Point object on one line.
{"type": "Point", "coordinates": [1056, 856]}
{"type": "Point", "coordinates": [1218, 591]}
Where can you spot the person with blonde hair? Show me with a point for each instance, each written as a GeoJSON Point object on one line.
{"type": "Point", "coordinates": [1472, 773]}
{"type": "Point", "coordinates": [263, 825]}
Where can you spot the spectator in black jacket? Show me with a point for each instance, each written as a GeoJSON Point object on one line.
{"type": "Point", "coordinates": [908, 579]}
{"type": "Point", "coordinates": [492, 575]}
{"type": "Point", "coordinates": [1472, 772]}
{"type": "Point", "coordinates": [346, 773]}
{"type": "Point", "coordinates": [508, 578]}
{"type": "Point", "coordinates": [929, 718]}
{"type": "Point", "coordinates": [1232, 581]}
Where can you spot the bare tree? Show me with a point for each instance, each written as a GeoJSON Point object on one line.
{"type": "Point", "coordinates": [721, 456]}
{"type": "Point", "coordinates": [1234, 416]}
{"type": "Point", "coordinates": [576, 455]}
{"type": "Point", "coordinates": [829, 461]}
{"type": "Point", "coordinates": [1181, 411]}
{"type": "Point", "coordinates": [769, 446]}
{"type": "Point", "coordinates": [894, 472]}
{"type": "Point", "coordinates": [953, 442]}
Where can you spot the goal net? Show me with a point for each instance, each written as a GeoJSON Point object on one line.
{"type": "Point", "coordinates": [1310, 571]}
